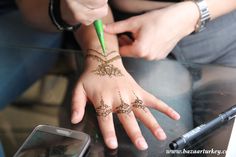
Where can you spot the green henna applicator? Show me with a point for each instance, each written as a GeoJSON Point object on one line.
{"type": "Point", "coordinates": [100, 33]}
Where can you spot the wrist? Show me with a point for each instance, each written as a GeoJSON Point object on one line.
{"type": "Point", "coordinates": [94, 58]}
{"type": "Point", "coordinates": [204, 15]}
{"type": "Point", "coordinates": [193, 15]}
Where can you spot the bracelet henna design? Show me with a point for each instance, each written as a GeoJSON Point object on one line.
{"type": "Point", "coordinates": [103, 110]}
{"type": "Point", "coordinates": [107, 54]}
{"type": "Point", "coordinates": [105, 61]}
{"type": "Point", "coordinates": [123, 108]}
{"type": "Point", "coordinates": [105, 68]}
{"type": "Point", "coordinates": [138, 103]}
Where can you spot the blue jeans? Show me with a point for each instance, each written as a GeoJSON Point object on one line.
{"type": "Point", "coordinates": [1, 150]}
{"type": "Point", "coordinates": [215, 45]}
{"type": "Point", "coordinates": [20, 67]}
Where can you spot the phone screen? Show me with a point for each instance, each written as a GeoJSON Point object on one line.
{"type": "Point", "coordinates": [44, 144]}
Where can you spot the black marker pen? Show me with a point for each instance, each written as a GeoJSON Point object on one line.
{"type": "Point", "coordinates": [185, 139]}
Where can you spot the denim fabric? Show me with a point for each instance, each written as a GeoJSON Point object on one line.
{"type": "Point", "coordinates": [7, 5]}
{"type": "Point", "coordinates": [20, 67]}
{"type": "Point", "coordinates": [216, 44]}
{"type": "Point", "coordinates": [1, 150]}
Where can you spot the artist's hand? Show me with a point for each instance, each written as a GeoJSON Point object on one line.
{"type": "Point", "coordinates": [111, 88]}
{"type": "Point", "coordinates": [84, 11]}
{"type": "Point", "coordinates": [156, 33]}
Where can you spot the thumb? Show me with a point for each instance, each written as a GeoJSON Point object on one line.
{"type": "Point", "coordinates": [118, 27]}
{"type": "Point", "coordinates": [78, 104]}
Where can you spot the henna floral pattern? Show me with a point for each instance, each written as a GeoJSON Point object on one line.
{"type": "Point", "coordinates": [105, 68]}
{"type": "Point", "coordinates": [138, 103]}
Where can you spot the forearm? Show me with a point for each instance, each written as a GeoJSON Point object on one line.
{"type": "Point", "coordinates": [216, 8]}
{"type": "Point", "coordinates": [220, 7]}
{"type": "Point", "coordinates": [36, 13]}
{"type": "Point", "coordinates": [138, 6]}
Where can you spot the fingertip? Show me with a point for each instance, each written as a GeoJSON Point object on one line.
{"type": "Point", "coordinates": [141, 144]}
{"type": "Point", "coordinates": [76, 117]}
{"type": "Point", "coordinates": [175, 115]}
{"type": "Point", "coordinates": [111, 143]}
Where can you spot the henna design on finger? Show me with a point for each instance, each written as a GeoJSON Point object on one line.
{"type": "Point", "coordinates": [123, 108]}
{"type": "Point", "coordinates": [103, 110]}
{"type": "Point", "coordinates": [138, 103]}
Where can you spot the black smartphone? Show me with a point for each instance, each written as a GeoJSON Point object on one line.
{"type": "Point", "coordinates": [50, 141]}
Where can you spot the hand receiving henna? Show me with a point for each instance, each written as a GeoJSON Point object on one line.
{"type": "Point", "coordinates": [111, 89]}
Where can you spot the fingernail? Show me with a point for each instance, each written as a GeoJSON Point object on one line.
{"type": "Point", "coordinates": [74, 117]}
{"type": "Point", "coordinates": [112, 143]}
{"type": "Point", "coordinates": [160, 134]}
{"type": "Point", "coordinates": [175, 115]}
{"type": "Point", "coordinates": [141, 143]}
